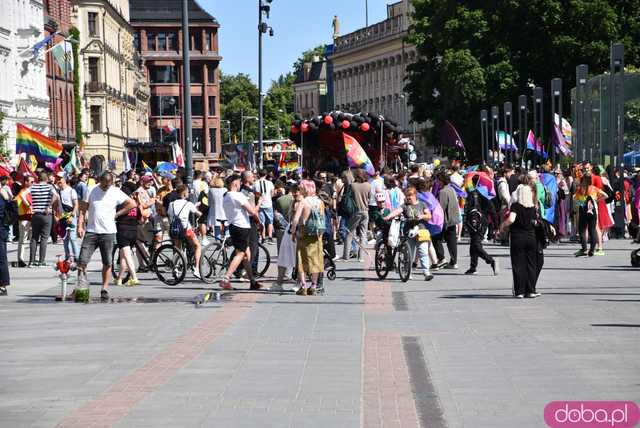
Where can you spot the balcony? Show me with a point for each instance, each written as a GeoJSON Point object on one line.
{"type": "Point", "coordinates": [94, 87]}
{"type": "Point", "coordinates": [365, 36]}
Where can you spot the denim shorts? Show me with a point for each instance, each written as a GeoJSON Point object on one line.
{"type": "Point", "coordinates": [266, 216]}
{"type": "Point", "coordinates": [91, 241]}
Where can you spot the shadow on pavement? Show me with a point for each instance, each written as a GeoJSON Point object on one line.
{"type": "Point", "coordinates": [616, 325]}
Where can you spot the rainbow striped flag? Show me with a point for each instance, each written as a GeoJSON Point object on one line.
{"type": "Point", "coordinates": [356, 156]}
{"type": "Point", "coordinates": [34, 143]}
{"type": "Point", "coordinates": [146, 167]}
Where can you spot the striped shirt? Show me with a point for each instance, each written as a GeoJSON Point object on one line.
{"type": "Point", "coordinates": [41, 195]}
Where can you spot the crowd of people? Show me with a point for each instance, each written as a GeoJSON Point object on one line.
{"type": "Point", "coordinates": [307, 215]}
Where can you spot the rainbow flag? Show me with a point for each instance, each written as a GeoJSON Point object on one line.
{"type": "Point", "coordinates": [561, 145]}
{"type": "Point", "coordinates": [485, 184]}
{"type": "Point", "coordinates": [356, 155]}
{"type": "Point", "coordinates": [146, 167]}
{"type": "Point", "coordinates": [566, 128]}
{"type": "Point", "coordinates": [32, 142]}
{"type": "Point", "coordinates": [535, 145]}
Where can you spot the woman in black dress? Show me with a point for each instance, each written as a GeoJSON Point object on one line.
{"type": "Point", "coordinates": [523, 245]}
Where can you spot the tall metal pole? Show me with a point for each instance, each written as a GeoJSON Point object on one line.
{"type": "Point", "coordinates": [538, 114]}
{"type": "Point", "coordinates": [483, 134]}
{"type": "Point", "coordinates": [186, 94]}
{"type": "Point", "coordinates": [260, 102]}
{"type": "Point", "coordinates": [617, 102]}
{"type": "Point", "coordinates": [523, 130]}
{"type": "Point", "coordinates": [495, 127]}
{"type": "Point", "coordinates": [582, 72]}
{"type": "Point", "coordinates": [556, 108]}
{"type": "Point", "coordinates": [508, 128]}
{"type": "Point", "coordinates": [366, 13]}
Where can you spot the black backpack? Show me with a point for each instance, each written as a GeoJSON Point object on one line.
{"type": "Point", "coordinates": [474, 219]}
{"type": "Point", "coordinates": [635, 258]}
{"type": "Point", "coordinates": [176, 229]}
{"type": "Point", "coordinates": [347, 206]}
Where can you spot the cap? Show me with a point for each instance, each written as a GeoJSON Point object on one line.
{"type": "Point", "coordinates": [146, 178]}
{"type": "Point", "coordinates": [381, 197]}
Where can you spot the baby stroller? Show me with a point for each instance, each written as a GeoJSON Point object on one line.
{"type": "Point", "coordinates": [329, 272]}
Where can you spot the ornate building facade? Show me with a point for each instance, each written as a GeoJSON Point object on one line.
{"type": "Point", "coordinates": [23, 91]}
{"type": "Point", "coordinates": [113, 85]}
{"type": "Point", "coordinates": [370, 65]}
{"type": "Point", "coordinates": [57, 20]}
{"type": "Point", "coordinates": [310, 89]}
{"type": "Point", "coordinates": [158, 33]}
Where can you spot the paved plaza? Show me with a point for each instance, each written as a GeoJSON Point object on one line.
{"type": "Point", "coordinates": [455, 352]}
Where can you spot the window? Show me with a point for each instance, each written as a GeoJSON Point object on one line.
{"type": "Point", "coordinates": [212, 105]}
{"type": "Point", "coordinates": [172, 37]}
{"type": "Point", "coordinates": [96, 119]}
{"type": "Point", "coordinates": [196, 73]}
{"type": "Point", "coordinates": [196, 134]}
{"type": "Point", "coordinates": [93, 69]}
{"type": "Point", "coordinates": [163, 74]}
{"type": "Point", "coordinates": [92, 20]}
{"type": "Point", "coordinates": [162, 41]}
{"type": "Point", "coordinates": [151, 41]}
{"type": "Point", "coordinates": [212, 139]}
{"type": "Point", "coordinates": [136, 41]}
{"type": "Point", "coordinates": [165, 105]}
{"type": "Point", "coordinates": [211, 73]}
{"type": "Point", "coordinates": [195, 40]}
{"type": "Point", "coordinates": [209, 40]}
{"type": "Point", "coordinates": [197, 108]}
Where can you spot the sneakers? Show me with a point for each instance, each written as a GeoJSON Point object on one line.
{"type": "Point", "coordinates": [451, 266]}
{"type": "Point", "coordinates": [428, 277]}
{"type": "Point", "coordinates": [225, 284]}
{"type": "Point", "coordinates": [442, 263]}
{"type": "Point", "coordinates": [276, 286]}
{"type": "Point", "coordinates": [495, 267]}
{"type": "Point", "coordinates": [311, 291]}
{"type": "Point", "coordinates": [132, 282]}
{"type": "Point", "coordinates": [104, 295]}
{"type": "Point", "coordinates": [204, 241]}
{"type": "Point", "coordinates": [471, 272]}
{"type": "Point", "coordinates": [434, 267]}
{"type": "Point", "coordinates": [196, 274]}
{"type": "Point", "coordinates": [580, 253]}
{"type": "Point", "coordinates": [255, 285]}
{"type": "Point", "coordinates": [117, 282]}
{"type": "Point", "coordinates": [533, 295]}
{"type": "Point", "coordinates": [599, 252]}
{"type": "Point", "coordinates": [520, 296]}
{"type": "Point", "coordinates": [301, 291]}
{"type": "Point", "coordinates": [3, 291]}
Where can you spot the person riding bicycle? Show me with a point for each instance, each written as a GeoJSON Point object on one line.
{"type": "Point", "coordinates": [416, 214]}
{"type": "Point", "coordinates": [181, 209]}
{"type": "Point", "coordinates": [379, 214]}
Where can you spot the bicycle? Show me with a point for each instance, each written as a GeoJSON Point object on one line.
{"type": "Point", "coordinates": [400, 257]}
{"type": "Point", "coordinates": [142, 253]}
{"type": "Point", "coordinates": [220, 253]}
{"type": "Point", "coordinates": [172, 263]}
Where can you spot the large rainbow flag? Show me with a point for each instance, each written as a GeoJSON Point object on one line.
{"type": "Point", "coordinates": [356, 155]}
{"type": "Point", "coordinates": [32, 142]}
{"type": "Point", "coordinates": [485, 184]}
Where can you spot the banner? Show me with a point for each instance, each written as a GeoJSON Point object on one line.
{"type": "Point", "coordinates": [63, 55]}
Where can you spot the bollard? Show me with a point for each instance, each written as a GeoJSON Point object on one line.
{"type": "Point", "coordinates": [63, 286]}
{"type": "Point", "coordinates": [63, 267]}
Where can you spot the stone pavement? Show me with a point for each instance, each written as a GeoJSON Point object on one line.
{"type": "Point", "coordinates": [454, 352]}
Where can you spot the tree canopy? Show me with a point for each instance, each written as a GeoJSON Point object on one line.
{"type": "Point", "coordinates": [476, 54]}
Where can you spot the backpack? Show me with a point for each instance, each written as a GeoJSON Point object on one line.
{"type": "Point", "coordinates": [176, 229]}
{"type": "Point", "coordinates": [474, 219]}
{"type": "Point", "coordinates": [347, 206]}
{"type": "Point", "coordinates": [635, 258]}
{"type": "Point", "coordinates": [10, 213]}
{"type": "Point", "coordinates": [315, 224]}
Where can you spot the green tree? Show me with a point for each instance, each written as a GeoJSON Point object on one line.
{"type": "Point", "coordinates": [4, 137]}
{"type": "Point", "coordinates": [474, 55]}
{"type": "Point", "coordinates": [238, 97]}
{"type": "Point", "coordinates": [307, 56]}
{"type": "Point", "coordinates": [278, 107]}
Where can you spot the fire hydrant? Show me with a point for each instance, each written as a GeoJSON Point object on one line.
{"type": "Point", "coordinates": [63, 266]}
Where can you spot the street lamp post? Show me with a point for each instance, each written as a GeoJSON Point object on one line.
{"type": "Point", "coordinates": [508, 129]}
{"type": "Point", "coordinates": [263, 8]}
{"type": "Point", "coordinates": [495, 127]}
{"type": "Point", "coordinates": [483, 133]}
{"type": "Point", "coordinates": [244, 119]}
{"type": "Point", "coordinates": [186, 94]}
{"type": "Point", "coordinates": [582, 72]}
{"type": "Point", "coordinates": [523, 129]}
{"type": "Point", "coordinates": [556, 108]}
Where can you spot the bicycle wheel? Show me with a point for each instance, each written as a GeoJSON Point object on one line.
{"type": "Point", "coordinates": [405, 261]}
{"type": "Point", "coordinates": [264, 261]}
{"type": "Point", "coordinates": [170, 265]}
{"type": "Point", "coordinates": [381, 265]}
{"type": "Point", "coordinates": [212, 263]}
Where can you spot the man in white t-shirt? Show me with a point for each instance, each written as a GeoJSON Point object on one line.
{"type": "Point", "coordinates": [238, 209]}
{"type": "Point", "coordinates": [98, 219]}
{"type": "Point", "coordinates": [264, 189]}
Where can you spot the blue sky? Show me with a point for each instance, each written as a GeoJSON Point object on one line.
{"type": "Point", "coordinates": [298, 25]}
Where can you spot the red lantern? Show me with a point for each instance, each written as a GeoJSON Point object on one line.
{"type": "Point", "coordinates": [364, 126]}
{"type": "Point", "coordinates": [328, 120]}
{"type": "Point", "coordinates": [294, 129]}
{"type": "Point", "coordinates": [304, 127]}
{"type": "Point", "coordinates": [345, 124]}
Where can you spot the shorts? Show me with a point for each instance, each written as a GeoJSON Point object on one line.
{"type": "Point", "coordinates": [189, 232]}
{"type": "Point", "coordinates": [240, 237]}
{"type": "Point", "coordinates": [205, 215]}
{"type": "Point", "coordinates": [126, 238]}
{"type": "Point", "coordinates": [266, 216]}
{"type": "Point", "coordinates": [104, 241]}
